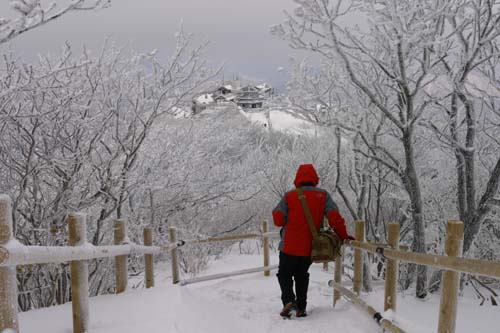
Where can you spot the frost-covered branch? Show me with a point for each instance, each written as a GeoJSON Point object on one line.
{"type": "Point", "coordinates": [73, 133]}
{"type": "Point", "coordinates": [31, 14]}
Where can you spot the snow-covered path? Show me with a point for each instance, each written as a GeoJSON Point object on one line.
{"type": "Point", "coordinates": [248, 303]}
{"type": "Point", "coordinates": [241, 304]}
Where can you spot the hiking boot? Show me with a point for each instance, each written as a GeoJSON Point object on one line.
{"type": "Point", "coordinates": [287, 309]}
{"type": "Point", "coordinates": [301, 313]}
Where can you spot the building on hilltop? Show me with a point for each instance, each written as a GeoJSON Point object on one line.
{"type": "Point", "coordinates": [224, 90]}
{"type": "Point", "coordinates": [246, 97]}
{"type": "Point", "coordinates": [249, 97]}
{"type": "Point", "coordinates": [266, 90]}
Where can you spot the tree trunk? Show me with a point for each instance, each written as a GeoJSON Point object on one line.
{"type": "Point", "coordinates": [413, 188]}
{"type": "Point", "coordinates": [471, 228]}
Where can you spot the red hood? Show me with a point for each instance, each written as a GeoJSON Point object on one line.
{"type": "Point", "coordinates": [306, 174]}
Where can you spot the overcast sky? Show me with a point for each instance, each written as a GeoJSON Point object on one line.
{"type": "Point", "coordinates": [237, 31]}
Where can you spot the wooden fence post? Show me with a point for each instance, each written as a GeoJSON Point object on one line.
{"type": "Point", "coordinates": [450, 279]}
{"type": "Point", "coordinates": [358, 257]}
{"type": "Point", "coordinates": [391, 268]}
{"type": "Point", "coordinates": [265, 243]}
{"type": "Point", "coordinates": [8, 281]}
{"type": "Point", "coordinates": [337, 278]}
{"type": "Point", "coordinates": [148, 260]}
{"type": "Point", "coordinates": [173, 253]}
{"type": "Point", "coordinates": [77, 230]}
{"type": "Point", "coordinates": [121, 271]}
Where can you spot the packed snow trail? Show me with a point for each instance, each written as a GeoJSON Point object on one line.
{"type": "Point", "coordinates": [247, 303]}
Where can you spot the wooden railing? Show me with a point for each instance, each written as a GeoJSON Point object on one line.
{"type": "Point", "coordinates": [451, 262]}
{"type": "Point", "coordinates": [79, 252]}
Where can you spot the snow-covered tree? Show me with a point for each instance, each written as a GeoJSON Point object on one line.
{"type": "Point", "coordinates": [31, 14]}
{"type": "Point", "coordinates": [469, 81]}
{"type": "Point", "coordinates": [73, 129]}
{"type": "Point", "coordinates": [389, 63]}
{"type": "Point", "coordinates": [418, 65]}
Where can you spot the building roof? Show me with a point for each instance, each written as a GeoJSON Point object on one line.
{"type": "Point", "coordinates": [249, 89]}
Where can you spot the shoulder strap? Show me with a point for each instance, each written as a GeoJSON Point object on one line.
{"type": "Point", "coordinates": [307, 212]}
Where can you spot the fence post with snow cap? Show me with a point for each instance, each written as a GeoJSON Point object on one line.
{"type": "Point", "coordinates": [265, 244]}
{"type": "Point", "coordinates": [175, 263]}
{"type": "Point", "coordinates": [392, 268]}
{"type": "Point", "coordinates": [149, 275]}
{"type": "Point", "coordinates": [8, 281]}
{"type": "Point", "coordinates": [77, 230]}
{"type": "Point", "coordinates": [450, 280]}
{"type": "Point", "coordinates": [121, 271]}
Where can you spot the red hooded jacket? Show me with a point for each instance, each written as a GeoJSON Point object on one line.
{"type": "Point", "coordinates": [296, 237]}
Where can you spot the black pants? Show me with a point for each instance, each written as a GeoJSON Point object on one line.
{"type": "Point", "coordinates": [295, 267]}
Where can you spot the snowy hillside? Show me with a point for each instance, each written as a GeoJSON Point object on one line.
{"type": "Point", "coordinates": [286, 121]}
{"type": "Point", "coordinates": [247, 304]}
{"type": "Point", "coordinates": [279, 119]}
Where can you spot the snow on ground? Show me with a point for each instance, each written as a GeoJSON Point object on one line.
{"type": "Point", "coordinates": [248, 303]}
{"type": "Point", "coordinates": [285, 121]}
{"type": "Point", "coordinates": [288, 122]}
{"type": "Point", "coordinates": [257, 118]}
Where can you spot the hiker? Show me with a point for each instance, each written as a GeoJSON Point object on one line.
{"type": "Point", "coordinates": [296, 238]}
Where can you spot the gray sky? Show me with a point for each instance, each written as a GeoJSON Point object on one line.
{"type": "Point", "coordinates": [237, 31]}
